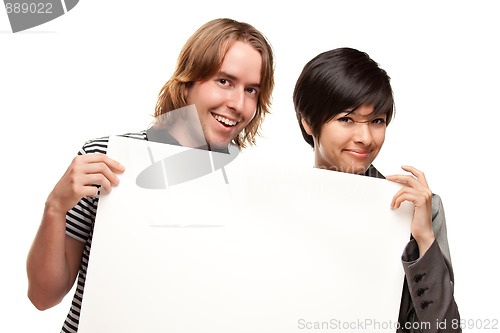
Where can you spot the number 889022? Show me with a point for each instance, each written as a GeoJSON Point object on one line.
{"type": "Point", "coordinates": [31, 8]}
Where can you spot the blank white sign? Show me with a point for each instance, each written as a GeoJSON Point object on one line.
{"type": "Point", "coordinates": [277, 249]}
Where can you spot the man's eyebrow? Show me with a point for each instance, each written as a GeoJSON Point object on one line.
{"type": "Point", "coordinates": [234, 78]}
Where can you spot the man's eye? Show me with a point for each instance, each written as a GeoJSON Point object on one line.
{"type": "Point", "coordinates": [223, 82]}
{"type": "Point", "coordinates": [252, 91]}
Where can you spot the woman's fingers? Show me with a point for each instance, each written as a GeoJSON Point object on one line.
{"type": "Point", "coordinates": [417, 173]}
{"type": "Point", "coordinates": [416, 190]}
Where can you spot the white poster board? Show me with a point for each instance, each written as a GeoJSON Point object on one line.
{"type": "Point", "coordinates": [274, 250]}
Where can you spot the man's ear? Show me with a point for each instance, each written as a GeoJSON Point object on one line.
{"type": "Point", "coordinates": [306, 126]}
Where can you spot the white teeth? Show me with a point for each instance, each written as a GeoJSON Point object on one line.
{"type": "Point", "coordinates": [226, 121]}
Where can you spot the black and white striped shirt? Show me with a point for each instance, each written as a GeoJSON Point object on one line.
{"type": "Point", "coordinates": [80, 225]}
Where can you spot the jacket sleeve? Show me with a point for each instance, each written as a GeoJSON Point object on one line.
{"type": "Point", "coordinates": [430, 282]}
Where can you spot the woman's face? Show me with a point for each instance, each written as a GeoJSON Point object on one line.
{"type": "Point", "coordinates": [350, 141]}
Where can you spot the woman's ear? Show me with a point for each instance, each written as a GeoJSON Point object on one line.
{"type": "Point", "coordinates": [306, 126]}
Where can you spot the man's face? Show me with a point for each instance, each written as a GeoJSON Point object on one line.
{"type": "Point", "coordinates": [350, 141]}
{"type": "Point", "coordinates": [227, 101]}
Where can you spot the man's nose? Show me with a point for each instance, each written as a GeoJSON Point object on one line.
{"type": "Point", "coordinates": [236, 99]}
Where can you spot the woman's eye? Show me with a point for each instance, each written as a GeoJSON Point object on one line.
{"type": "Point", "coordinates": [378, 121]}
{"type": "Point", "coordinates": [346, 120]}
{"type": "Point", "coordinates": [223, 82]}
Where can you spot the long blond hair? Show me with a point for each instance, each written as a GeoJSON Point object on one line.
{"type": "Point", "coordinates": [202, 57]}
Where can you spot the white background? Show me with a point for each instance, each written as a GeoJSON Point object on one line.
{"type": "Point", "coordinates": [98, 69]}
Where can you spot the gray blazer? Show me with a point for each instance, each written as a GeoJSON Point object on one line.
{"type": "Point", "coordinates": [427, 302]}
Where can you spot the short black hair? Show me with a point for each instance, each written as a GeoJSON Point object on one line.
{"type": "Point", "coordinates": [337, 81]}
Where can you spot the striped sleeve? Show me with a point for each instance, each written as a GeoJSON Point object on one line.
{"type": "Point", "coordinates": [80, 218]}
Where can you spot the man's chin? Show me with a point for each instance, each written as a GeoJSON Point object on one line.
{"type": "Point", "coordinates": [218, 145]}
